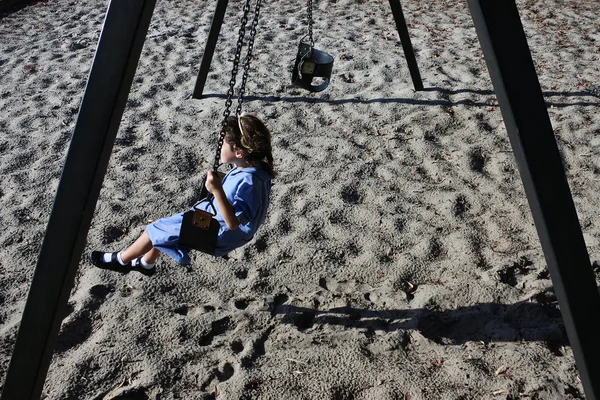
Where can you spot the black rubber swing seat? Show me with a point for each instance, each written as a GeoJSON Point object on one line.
{"type": "Point", "coordinates": [311, 63]}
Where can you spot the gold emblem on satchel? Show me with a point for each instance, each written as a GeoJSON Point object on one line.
{"type": "Point", "coordinates": [201, 219]}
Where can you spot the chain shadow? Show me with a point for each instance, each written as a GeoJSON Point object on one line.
{"type": "Point", "coordinates": [441, 102]}
{"type": "Point", "coordinates": [487, 322]}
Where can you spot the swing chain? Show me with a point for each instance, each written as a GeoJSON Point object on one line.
{"type": "Point", "coordinates": [248, 57]}
{"type": "Point", "coordinates": [234, 71]}
{"type": "Point", "coordinates": [310, 22]}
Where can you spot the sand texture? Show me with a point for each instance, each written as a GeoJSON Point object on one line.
{"type": "Point", "coordinates": [399, 259]}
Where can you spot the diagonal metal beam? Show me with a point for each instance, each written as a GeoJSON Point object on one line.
{"type": "Point", "coordinates": [217, 22]}
{"type": "Point", "coordinates": [209, 50]}
{"type": "Point", "coordinates": [108, 86]}
{"type": "Point", "coordinates": [515, 81]}
{"type": "Point", "coordinates": [409, 53]}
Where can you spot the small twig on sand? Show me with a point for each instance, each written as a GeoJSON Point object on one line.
{"type": "Point", "coordinates": [118, 387]}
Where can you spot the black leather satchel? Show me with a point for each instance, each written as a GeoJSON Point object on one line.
{"type": "Point", "coordinates": [199, 229]}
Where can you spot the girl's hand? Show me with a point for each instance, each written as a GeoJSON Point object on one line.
{"type": "Point", "coordinates": [213, 182]}
{"type": "Point", "coordinates": [215, 186]}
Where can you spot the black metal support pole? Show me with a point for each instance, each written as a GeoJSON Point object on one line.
{"type": "Point", "coordinates": [108, 86]}
{"type": "Point", "coordinates": [522, 104]}
{"type": "Point", "coordinates": [211, 43]}
{"type": "Point", "coordinates": [406, 44]}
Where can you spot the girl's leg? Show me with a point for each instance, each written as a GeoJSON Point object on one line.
{"type": "Point", "coordinates": [121, 262]}
{"type": "Point", "coordinates": [151, 256]}
{"type": "Point", "coordinates": [140, 247]}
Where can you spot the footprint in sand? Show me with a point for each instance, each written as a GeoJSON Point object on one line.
{"type": "Point", "coordinates": [217, 328]}
{"type": "Point", "coordinates": [221, 374]}
{"type": "Point", "coordinates": [241, 274]}
{"type": "Point", "coordinates": [74, 331]}
{"type": "Point", "coordinates": [129, 291]}
{"type": "Point", "coordinates": [237, 346]}
{"type": "Point", "coordinates": [225, 372]}
{"type": "Point", "coordinates": [181, 310]}
{"type": "Point", "coordinates": [101, 291]}
{"type": "Point", "coordinates": [278, 301]}
{"type": "Point", "coordinates": [258, 348]}
{"type": "Point", "coordinates": [185, 310]}
{"type": "Point", "coordinates": [242, 304]}
{"type": "Point", "coordinates": [112, 234]}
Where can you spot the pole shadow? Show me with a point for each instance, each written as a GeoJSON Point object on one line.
{"type": "Point", "coordinates": [594, 92]}
{"type": "Point", "coordinates": [487, 322]}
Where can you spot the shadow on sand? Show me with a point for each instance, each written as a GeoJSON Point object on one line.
{"type": "Point", "coordinates": [593, 93]}
{"type": "Point", "coordinates": [488, 322]}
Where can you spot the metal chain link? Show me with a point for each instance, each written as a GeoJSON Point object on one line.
{"type": "Point", "coordinates": [248, 57]}
{"type": "Point", "coordinates": [310, 22]}
{"type": "Point", "coordinates": [234, 71]}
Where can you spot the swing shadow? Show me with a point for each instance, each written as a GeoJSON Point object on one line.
{"type": "Point", "coordinates": [486, 322]}
{"type": "Point", "coordinates": [440, 102]}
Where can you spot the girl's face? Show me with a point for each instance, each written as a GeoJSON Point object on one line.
{"type": "Point", "coordinates": [228, 155]}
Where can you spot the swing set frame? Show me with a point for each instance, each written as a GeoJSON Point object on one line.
{"type": "Point", "coordinates": [515, 82]}
{"type": "Point", "coordinates": [219, 16]}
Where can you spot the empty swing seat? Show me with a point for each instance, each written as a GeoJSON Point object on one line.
{"type": "Point", "coordinates": [311, 63]}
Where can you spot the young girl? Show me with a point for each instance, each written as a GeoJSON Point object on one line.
{"type": "Point", "coordinates": [241, 199]}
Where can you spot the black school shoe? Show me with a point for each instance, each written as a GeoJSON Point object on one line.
{"type": "Point", "coordinates": [97, 258]}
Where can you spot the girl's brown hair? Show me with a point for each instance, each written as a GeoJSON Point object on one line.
{"type": "Point", "coordinates": [254, 139]}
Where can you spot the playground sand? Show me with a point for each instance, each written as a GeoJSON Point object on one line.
{"type": "Point", "coordinates": [399, 259]}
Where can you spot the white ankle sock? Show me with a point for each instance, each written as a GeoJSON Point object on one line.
{"type": "Point", "coordinates": [107, 257]}
{"type": "Point", "coordinates": [139, 262]}
{"type": "Point", "coordinates": [147, 265]}
{"type": "Point", "coordinates": [119, 259]}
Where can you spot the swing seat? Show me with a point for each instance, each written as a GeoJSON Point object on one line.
{"type": "Point", "coordinates": [311, 63]}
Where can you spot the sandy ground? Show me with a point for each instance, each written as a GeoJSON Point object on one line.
{"type": "Point", "coordinates": [399, 259]}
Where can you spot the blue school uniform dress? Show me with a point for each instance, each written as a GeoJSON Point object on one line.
{"type": "Point", "coordinates": [247, 189]}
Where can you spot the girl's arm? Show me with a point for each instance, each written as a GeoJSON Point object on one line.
{"type": "Point", "coordinates": [213, 184]}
